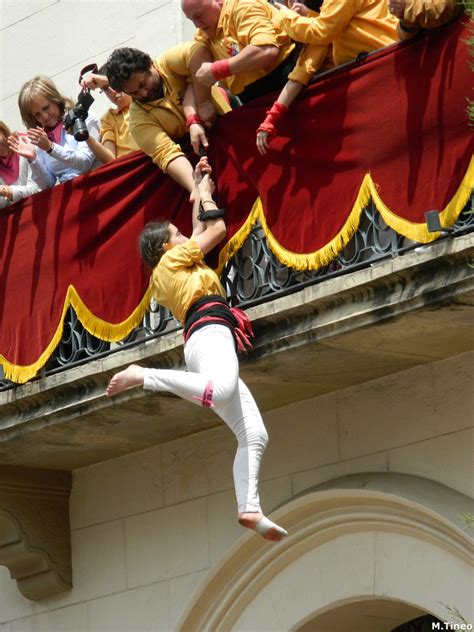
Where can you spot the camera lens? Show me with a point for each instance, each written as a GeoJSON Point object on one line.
{"type": "Point", "coordinates": [80, 130]}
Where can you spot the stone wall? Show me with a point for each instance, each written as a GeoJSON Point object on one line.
{"type": "Point", "coordinates": [59, 37]}
{"type": "Point", "coordinates": [147, 528]}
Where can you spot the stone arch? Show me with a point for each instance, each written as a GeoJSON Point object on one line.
{"type": "Point", "coordinates": [365, 614]}
{"type": "Point", "coordinates": [361, 537]}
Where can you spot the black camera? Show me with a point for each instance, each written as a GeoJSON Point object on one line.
{"type": "Point", "coordinates": [76, 118]}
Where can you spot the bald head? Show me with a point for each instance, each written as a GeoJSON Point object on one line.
{"type": "Point", "coordinates": [204, 14]}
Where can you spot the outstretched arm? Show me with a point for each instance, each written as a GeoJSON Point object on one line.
{"type": "Point", "coordinates": [181, 170]}
{"type": "Point", "coordinates": [208, 233]}
{"type": "Point", "coordinates": [194, 122]}
{"type": "Point", "coordinates": [94, 81]}
{"type": "Point", "coordinates": [322, 29]}
{"type": "Point", "coordinates": [269, 126]}
{"type": "Point", "coordinates": [202, 92]}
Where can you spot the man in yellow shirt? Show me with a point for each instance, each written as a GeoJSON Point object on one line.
{"type": "Point", "coordinates": [251, 55]}
{"type": "Point", "coordinates": [350, 28]}
{"type": "Point", "coordinates": [427, 14]}
{"type": "Point", "coordinates": [166, 104]}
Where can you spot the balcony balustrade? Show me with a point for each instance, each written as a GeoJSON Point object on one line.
{"type": "Point", "coordinates": [254, 275]}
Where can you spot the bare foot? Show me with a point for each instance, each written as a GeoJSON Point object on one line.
{"type": "Point", "coordinates": [130, 377]}
{"type": "Point", "coordinates": [267, 529]}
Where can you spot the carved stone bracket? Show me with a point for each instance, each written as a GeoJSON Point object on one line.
{"type": "Point", "coordinates": [35, 541]}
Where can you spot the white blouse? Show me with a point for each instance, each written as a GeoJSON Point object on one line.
{"type": "Point", "coordinates": [23, 186]}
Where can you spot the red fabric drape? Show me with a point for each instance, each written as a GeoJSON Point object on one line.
{"type": "Point", "coordinates": [400, 116]}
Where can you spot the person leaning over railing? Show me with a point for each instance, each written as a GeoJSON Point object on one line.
{"type": "Point", "coordinates": [54, 154]}
{"type": "Point", "coordinates": [415, 15]}
{"type": "Point", "coordinates": [16, 181]}
{"type": "Point", "coordinates": [166, 103]}
{"type": "Point", "coordinates": [250, 55]}
{"type": "Point", "coordinates": [115, 137]}
{"type": "Point", "coordinates": [351, 27]}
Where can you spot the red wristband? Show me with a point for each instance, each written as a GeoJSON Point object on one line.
{"type": "Point", "coordinates": [192, 119]}
{"type": "Point", "coordinates": [220, 69]}
{"type": "Point", "coordinates": [272, 118]}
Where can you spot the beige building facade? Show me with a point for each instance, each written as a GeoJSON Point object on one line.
{"type": "Point", "coordinates": [57, 38]}
{"type": "Point", "coordinates": [366, 390]}
{"type": "Point", "coordinates": [370, 481]}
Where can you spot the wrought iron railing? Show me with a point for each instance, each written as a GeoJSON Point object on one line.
{"type": "Point", "coordinates": [254, 275]}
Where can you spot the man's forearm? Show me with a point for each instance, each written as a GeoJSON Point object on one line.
{"type": "Point", "coordinates": [181, 171]}
{"type": "Point", "coordinates": [253, 58]}
{"type": "Point", "coordinates": [202, 93]}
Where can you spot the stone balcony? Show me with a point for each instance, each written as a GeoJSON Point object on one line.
{"type": "Point", "coordinates": [398, 313]}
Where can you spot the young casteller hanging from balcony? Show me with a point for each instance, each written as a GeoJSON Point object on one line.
{"type": "Point", "coordinates": [213, 331]}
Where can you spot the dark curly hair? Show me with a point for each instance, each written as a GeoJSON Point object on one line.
{"type": "Point", "coordinates": [151, 241]}
{"type": "Point", "coordinates": [123, 62]}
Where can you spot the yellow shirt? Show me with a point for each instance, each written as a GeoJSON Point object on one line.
{"type": "Point", "coordinates": [351, 26]}
{"type": "Point", "coordinates": [311, 59]}
{"type": "Point", "coordinates": [243, 23]}
{"type": "Point", "coordinates": [157, 124]}
{"type": "Point", "coordinates": [181, 278]}
{"type": "Point", "coordinates": [114, 126]}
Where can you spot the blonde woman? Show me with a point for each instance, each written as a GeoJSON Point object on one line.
{"type": "Point", "coordinates": [15, 174]}
{"type": "Point", "coordinates": [54, 154]}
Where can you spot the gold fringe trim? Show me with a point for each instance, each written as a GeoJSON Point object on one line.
{"type": "Point", "coordinates": [448, 216]}
{"type": "Point", "coordinates": [236, 242]}
{"type": "Point", "coordinates": [306, 261]}
{"type": "Point", "coordinates": [368, 191]}
{"type": "Point", "coordinates": [94, 325]}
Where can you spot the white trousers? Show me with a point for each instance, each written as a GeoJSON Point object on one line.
{"type": "Point", "coordinates": [213, 380]}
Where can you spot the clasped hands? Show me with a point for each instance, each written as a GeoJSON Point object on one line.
{"type": "Point", "coordinates": [203, 184]}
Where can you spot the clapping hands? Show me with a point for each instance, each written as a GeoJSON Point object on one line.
{"type": "Point", "coordinates": [22, 145]}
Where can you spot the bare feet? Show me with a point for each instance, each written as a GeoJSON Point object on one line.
{"type": "Point", "coordinates": [130, 377]}
{"type": "Point", "coordinates": [267, 529]}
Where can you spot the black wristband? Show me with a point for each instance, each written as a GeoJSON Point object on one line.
{"type": "Point", "coordinates": [214, 213]}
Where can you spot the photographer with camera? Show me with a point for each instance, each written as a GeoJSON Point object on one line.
{"type": "Point", "coordinates": [115, 137]}
{"type": "Point", "coordinates": [55, 154]}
